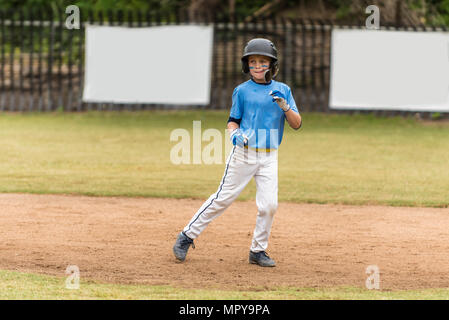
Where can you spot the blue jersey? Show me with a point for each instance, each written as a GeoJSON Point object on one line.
{"type": "Point", "coordinates": [261, 119]}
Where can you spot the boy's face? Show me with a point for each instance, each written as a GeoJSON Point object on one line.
{"type": "Point", "coordinates": [257, 67]}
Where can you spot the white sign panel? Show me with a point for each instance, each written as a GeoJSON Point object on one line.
{"type": "Point", "coordinates": [161, 65]}
{"type": "Point", "coordinates": [389, 70]}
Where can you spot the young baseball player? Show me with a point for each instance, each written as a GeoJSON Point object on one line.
{"type": "Point", "coordinates": [259, 109]}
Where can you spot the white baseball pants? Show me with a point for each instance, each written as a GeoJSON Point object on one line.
{"type": "Point", "coordinates": [241, 165]}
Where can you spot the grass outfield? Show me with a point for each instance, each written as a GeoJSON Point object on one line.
{"type": "Point", "coordinates": [333, 159]}
{"type": "Point", "coordinates": [358, 159]}
{"type": "Point", "coordinates": [16, 285]}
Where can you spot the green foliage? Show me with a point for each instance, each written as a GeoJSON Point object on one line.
{"type": "Point", "coordinates": [436, 116]}
{"type": "Point", "coordinates": [58, 5]}
{"type": "Point", "coordinates": [436, 11]}
{"type": "Point", "coordinates": [343, 11]}
{"type": "Point", "coordinates": [443, 10]}
{"type": "Point", "coordinates": [247, 7]}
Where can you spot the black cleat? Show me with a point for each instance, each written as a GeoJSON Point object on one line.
{"type": "Point", "coordinates": [261, 258]}
{"type": "Point", "coordinates": [181, 246]}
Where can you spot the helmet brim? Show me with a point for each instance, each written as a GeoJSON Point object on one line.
{"type": "Point", "coordinates": [246, 55]}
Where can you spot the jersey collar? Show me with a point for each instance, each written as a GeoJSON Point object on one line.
{"type": "Point", "coordinates": [262, 84]}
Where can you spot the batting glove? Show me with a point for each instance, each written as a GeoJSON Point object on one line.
{"type": "Point", "coordinates": [279, 98]}
{"type": "Point", "coordinates": [238, 138]}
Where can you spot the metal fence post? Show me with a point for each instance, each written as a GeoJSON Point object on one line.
{"type": "Point", "coordinates": [235, 51]}
{"type": "Point", "coordinates": [50, 63]}
{"type": "Point", "coordinates": [322, 84]}
{"type": "Point", "coordinates": [286, 44]}
{"type": "Point", "coordinates": [60, 39]}
{"type": "Point", "coordinates": [327, 77]}
{"type": "Point", "coordinates": [304, 83]}
{"type": "Point", "coordinates": [21, 54]}
{"type": "Point", "coordinates": [39, 66]}
{"type": "Point", "coordinates": [225, 77]}
{"type": "Point", "coordinates": [292, 55]}
{"type": "Point", "coordinates": [70, 65]}
{"type": "Point", "coordinates": [81, 37]}
{"type": "Point", "coordinates": [2, 60]}
{"type": "Point", "coordinates": [11, 62]}
{"type": "Point", "coordinates": [31, 60]}
{"type": "Point", "coordinates": [315, 104]}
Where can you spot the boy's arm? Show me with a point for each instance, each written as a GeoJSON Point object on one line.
{"type": "Point", "coordinates": [294, 119]}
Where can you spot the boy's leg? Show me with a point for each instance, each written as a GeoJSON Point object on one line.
{"type": "Point", "coordinates": [238, 173]}
{"type": "Point", "coordinates": [267, 201]}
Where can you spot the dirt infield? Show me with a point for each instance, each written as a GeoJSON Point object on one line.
{"type": "Point", "coordinates": [129, 240]}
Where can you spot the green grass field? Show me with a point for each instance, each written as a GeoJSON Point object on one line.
{"type": "Point", "coordinates": [15, 285]}
{"type": "Point", "coordinates": [332, 159]}
{"type": "Point", "coordinates": [358, 159]}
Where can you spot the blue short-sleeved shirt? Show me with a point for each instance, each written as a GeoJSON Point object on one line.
{"type": "Point", "coordinates": [262, 121]}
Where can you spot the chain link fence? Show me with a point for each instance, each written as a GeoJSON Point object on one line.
{"type": "Point", "coordinates": [42, 61]}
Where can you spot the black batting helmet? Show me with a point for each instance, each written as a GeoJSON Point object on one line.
{"type": "Point", "coordinates": [263, 47]}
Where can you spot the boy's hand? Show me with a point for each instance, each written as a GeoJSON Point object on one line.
{"type": "Point", "coordinates": [280, 100]}
{"type": "Point", "coordinates": [238, 138]}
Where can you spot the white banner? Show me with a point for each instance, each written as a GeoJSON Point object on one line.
{"type": "Point", "coordinates": [161, 65]}
{"type": "Point", "coordinates": [389, 70]}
